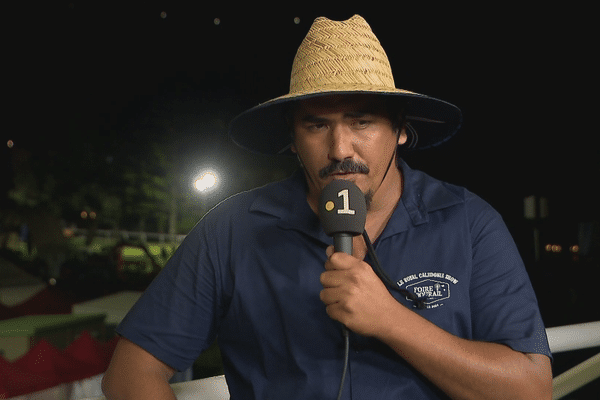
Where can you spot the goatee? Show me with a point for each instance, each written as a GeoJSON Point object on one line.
{"type": "Point", "coordinates": [369, 198]}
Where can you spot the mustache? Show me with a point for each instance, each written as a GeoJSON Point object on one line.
{"type": "Point", "coordinates": [346, 166]}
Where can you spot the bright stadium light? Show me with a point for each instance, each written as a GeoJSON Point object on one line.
{"type": "Point", "coordinates": [207, 181]}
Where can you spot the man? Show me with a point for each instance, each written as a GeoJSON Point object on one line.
{"type": "Point", "coordinates": [259, 274]}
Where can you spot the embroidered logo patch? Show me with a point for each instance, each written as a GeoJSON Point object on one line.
{"type": "Point", "coordinates": [431, 287]}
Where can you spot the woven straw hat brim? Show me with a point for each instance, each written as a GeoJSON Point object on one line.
{"type": "Point", "coordinates": [338, 57]}
{"type": "Point", "coordinates": [265, 128]}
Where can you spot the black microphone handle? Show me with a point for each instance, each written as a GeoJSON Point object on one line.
{"type": "Point", "coordinates": [342, 242]}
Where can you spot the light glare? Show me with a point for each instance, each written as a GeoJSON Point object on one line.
{"type": "Point", "coordinates": [206, 181]}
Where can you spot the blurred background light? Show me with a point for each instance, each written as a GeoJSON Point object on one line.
{"type": "Point", "coordinates": [207, 181]}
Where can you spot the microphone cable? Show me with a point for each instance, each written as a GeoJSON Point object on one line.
{"type": "Point", "coordinates": [346, 335]}
{"type": "Point", "coordinates": [419, 304]}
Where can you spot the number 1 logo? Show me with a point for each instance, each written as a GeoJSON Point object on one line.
{"type": "Point", "coordinates": [346, 209]}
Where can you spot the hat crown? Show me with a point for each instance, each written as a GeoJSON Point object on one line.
{"type": "Point", "coordinates": [340, 55]}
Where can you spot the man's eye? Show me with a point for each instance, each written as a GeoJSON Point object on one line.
{"type": "Point", "coordinates": [361, 123]}
{"type": "Point", "coordinates": [317, 127]}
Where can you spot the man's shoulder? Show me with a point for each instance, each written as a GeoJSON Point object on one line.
{"type": "Point", "coordinates": [434, 194]}
{"type": "Point", "coordinates": [272, 198]}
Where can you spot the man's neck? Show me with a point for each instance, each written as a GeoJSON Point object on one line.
{"type": "Point", "coordinates": [384, 203]}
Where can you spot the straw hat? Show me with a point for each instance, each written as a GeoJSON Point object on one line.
{"type": "Point", "coordinates": [336, 58]}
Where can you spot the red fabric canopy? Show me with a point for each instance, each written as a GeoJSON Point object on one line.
{"type": "Point", "coordinates": [6, 312]}
{"type": "Point", "coordinates": [51, 300]}
{"type": "Point", "coordinates": [17, 382]}
{"type": "Point", "coordinates": [93, 354]}
{"type": "Point", "coordinates": [46, 360]}
{"type": "Point", "coordinates": [45, 366]}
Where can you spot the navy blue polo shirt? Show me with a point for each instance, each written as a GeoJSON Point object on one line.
{"type": "Point", "coordinates": [248, 275]}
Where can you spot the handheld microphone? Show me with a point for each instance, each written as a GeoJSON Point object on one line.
{"type": "Point", "coordinates": [343, 212]}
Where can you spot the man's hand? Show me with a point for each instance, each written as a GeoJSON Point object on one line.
{"type": "Point", "coordinates": [354, 294]}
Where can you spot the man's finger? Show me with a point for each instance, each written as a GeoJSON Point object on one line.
{"type": "Point", "coordinates": [330, 250]}
{"type": "Point", "coordinates": [332, 278]}
{"type": "Point", "coordinates": [339, 261]}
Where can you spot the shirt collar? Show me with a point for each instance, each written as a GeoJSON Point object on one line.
{"type": "Point", "coordinates": [286, 200]}
{"type": "Point", "coordinates": [421, 195]}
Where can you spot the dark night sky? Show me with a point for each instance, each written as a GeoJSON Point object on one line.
{"type": "Point", "coordinates": [90, 71]}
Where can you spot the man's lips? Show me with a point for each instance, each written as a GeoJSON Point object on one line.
{"type": "Point", "coordinates": [343, 175]}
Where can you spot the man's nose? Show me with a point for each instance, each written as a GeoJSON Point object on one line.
{"type": "Point", "coordinates": [341, 144]}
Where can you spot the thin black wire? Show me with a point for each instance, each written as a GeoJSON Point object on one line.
{"type": "Point", "coordinates": [346, 356]}
{"type": "Point", "coordinates": [419, 303]}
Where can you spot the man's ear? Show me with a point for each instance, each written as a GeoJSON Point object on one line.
{"type": "Point", "coordinates": [402, 137]}
{"type": "Point", "coordinates": [293, 148]}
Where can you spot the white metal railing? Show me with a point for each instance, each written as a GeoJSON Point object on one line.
{"type": "Point", "coordinates": [561, 339]}
{"type": "Point", "coordinates": [214, 388]}
{"type": "Point", "coordinates": [575, 337]}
